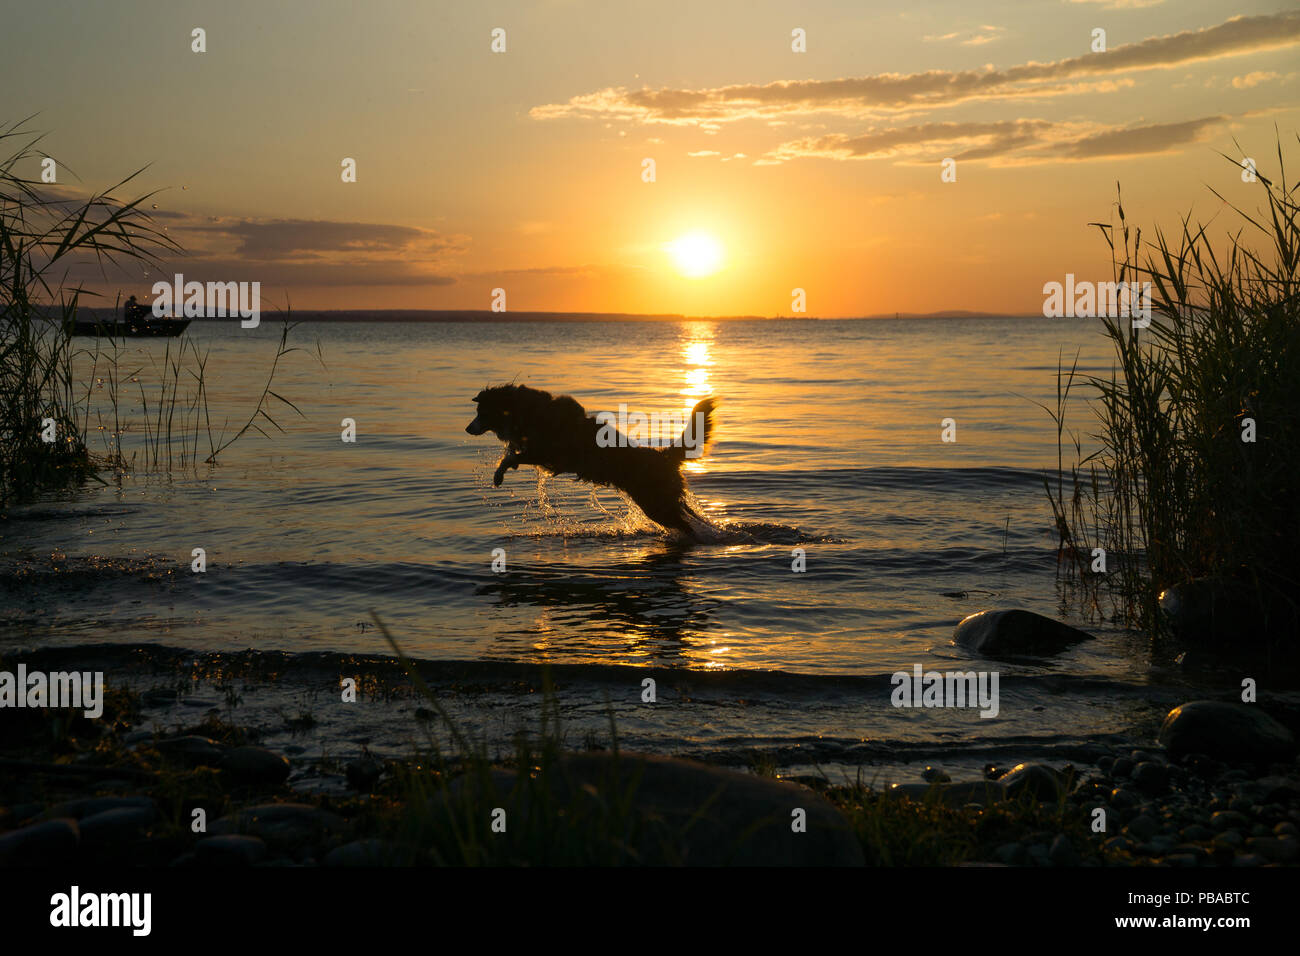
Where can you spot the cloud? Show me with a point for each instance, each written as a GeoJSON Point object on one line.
{"type": "Point", "coordinates": [859, 96]}
{"type": "Point", "coordinates": [1139, 140]}
{"type": "Point", "coordinates": [276, 239]}
{"type": "Point", "coordinates": [1122, 4]}
{"type": "Point", "coordinates": [1009, 142]}
{"type": "Point", "coordinates": [1254, 79]}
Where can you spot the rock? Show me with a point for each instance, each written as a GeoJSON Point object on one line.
{"type": "Point", "coordinates": [1248, 859]}
{"type": "Point", "coordinates": [935, 775]}
{"type": "Point", "coordinates": [695, 814]}
{"type": "Point", "coordinates": [1122, 767]}
{"type": "Point", "coordinates": [116, 826]}
{"type": "Point", "coordinates": [1150, 777]}
{"type": "Point", "coordinates": [1274, 849]}
{"type": "Point", "coordinates": [255, 765]}
{"type": "Point", "coordinates": [1141, 828]}
{"type": "Point", "coordinates": [1197, 833]}
{"type": "Point", "coordinates": [363, 773]}
{"type": "Point", "coordinates": [50, 843]}
{"type": "Point", "coordinates": [1230, 839]}
{"type": "Point", "coordinates": [1181, 859]}
{"type": "Point", "coordinates": [1222, 612]}
{"type": "Point", "coordinates": [1123, 799]}
{"type": "Point", "coordinates": [1229, 820]}
{"type": "Point", "coordinates": [192, 750]}
{"type": "Point", "coordinates": [1117, 844]}
{"type": "Point", "coordinates": [1287, 828]}
{"type": "Point", "coordinates": [1226, 730]}
{"type": "Point", "coordinates": [229, 850]}
{"type": "Point", "coordinates": [1011, 854]}
{"type": "Point", "coordinates": [91, 806]}
{"type": "Point", "coordinates": [371, 853]}
{"type": "Point", "coordinates": [1277, 789]}
{"type": "Point", "coordinates": [1062, 853]}
{"type": "Point", "coordinates": [281, 824]}
{"type": "Point", "coordinates": [1035, 779]}
{"type": "Point", "coordinates": [1013, 633]}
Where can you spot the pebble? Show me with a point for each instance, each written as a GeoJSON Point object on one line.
{"type": "Point", "coordinates": [41, 844]}
{"type": "Point", "coordinates": [1141, 828]}
{"type": "Point", "coordinates": [116, 826]}
{"type": "Point", "coordinates": [1150, 777]}
{"type": "Point", "coordinates": [1228, 820]}
{"type": "Point", "coordinates": [229, 850]}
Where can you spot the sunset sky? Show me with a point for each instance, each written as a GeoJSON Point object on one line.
{"type": "Point", "coordinates": [773, 169]}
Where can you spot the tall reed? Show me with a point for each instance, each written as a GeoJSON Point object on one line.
{"type": "Point", "coordinates": [1195, 474]}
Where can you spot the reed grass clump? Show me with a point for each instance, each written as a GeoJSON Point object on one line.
{"type": "Point", "coordinates": [42, 236]}
{"type": "Point", "coordinates": [1194, 476]}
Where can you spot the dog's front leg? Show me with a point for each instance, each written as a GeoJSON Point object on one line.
{"type": "Point", "coordinates": [509, 461]}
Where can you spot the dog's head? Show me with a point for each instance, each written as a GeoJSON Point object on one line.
{"type": "Point", "coordinates": [496, 411]}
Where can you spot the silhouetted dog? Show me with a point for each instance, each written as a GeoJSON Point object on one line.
{"type": "Point", "coordinates": [558, 435]}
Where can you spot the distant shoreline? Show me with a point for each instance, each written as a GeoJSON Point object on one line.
{"type": "Point", "coordinates": [465, 315]}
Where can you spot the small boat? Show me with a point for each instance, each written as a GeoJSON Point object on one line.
{"type": "Point", "coordinates": [136, 321]}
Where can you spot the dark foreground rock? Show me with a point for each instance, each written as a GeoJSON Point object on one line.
{"type": "Point", "coordinates": [1225, 731]}
{"type": "Point", "coordinates": [690, 813]}
{"type": "Point", "coordinates": [1015, 633]}
{"type": "Point", "coordinates": [42, 844]}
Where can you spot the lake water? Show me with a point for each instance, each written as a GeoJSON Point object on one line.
{"type": "Point", "coordinates": [828, 440]}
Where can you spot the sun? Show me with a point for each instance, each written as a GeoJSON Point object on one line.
{"type": "Point", "coordinates": [696, 255]}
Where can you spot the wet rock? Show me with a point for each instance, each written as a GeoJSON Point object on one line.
{"type": "Point", "coordinates": [116, 826]}
{"type": "Point", "coordinates": [935, 775]}
{"type": "Point", "coordinates": [1227, 730]}
{"type": "Point", "coordinates": [255, 765]}
{"type": "Point", "coordinates": [1014, 633]}
{"type": "Point", "coordinates": [229, 850]}
{"type": "Point", "coordinates": [1123, 766]}
{"type": "Point", "coordinates": [51, 843]}
{"type": "Point", "coordinates": [1037, 780]}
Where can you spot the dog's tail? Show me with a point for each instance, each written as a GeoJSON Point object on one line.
{"type": "Point", "coordinates": [699, 429]}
